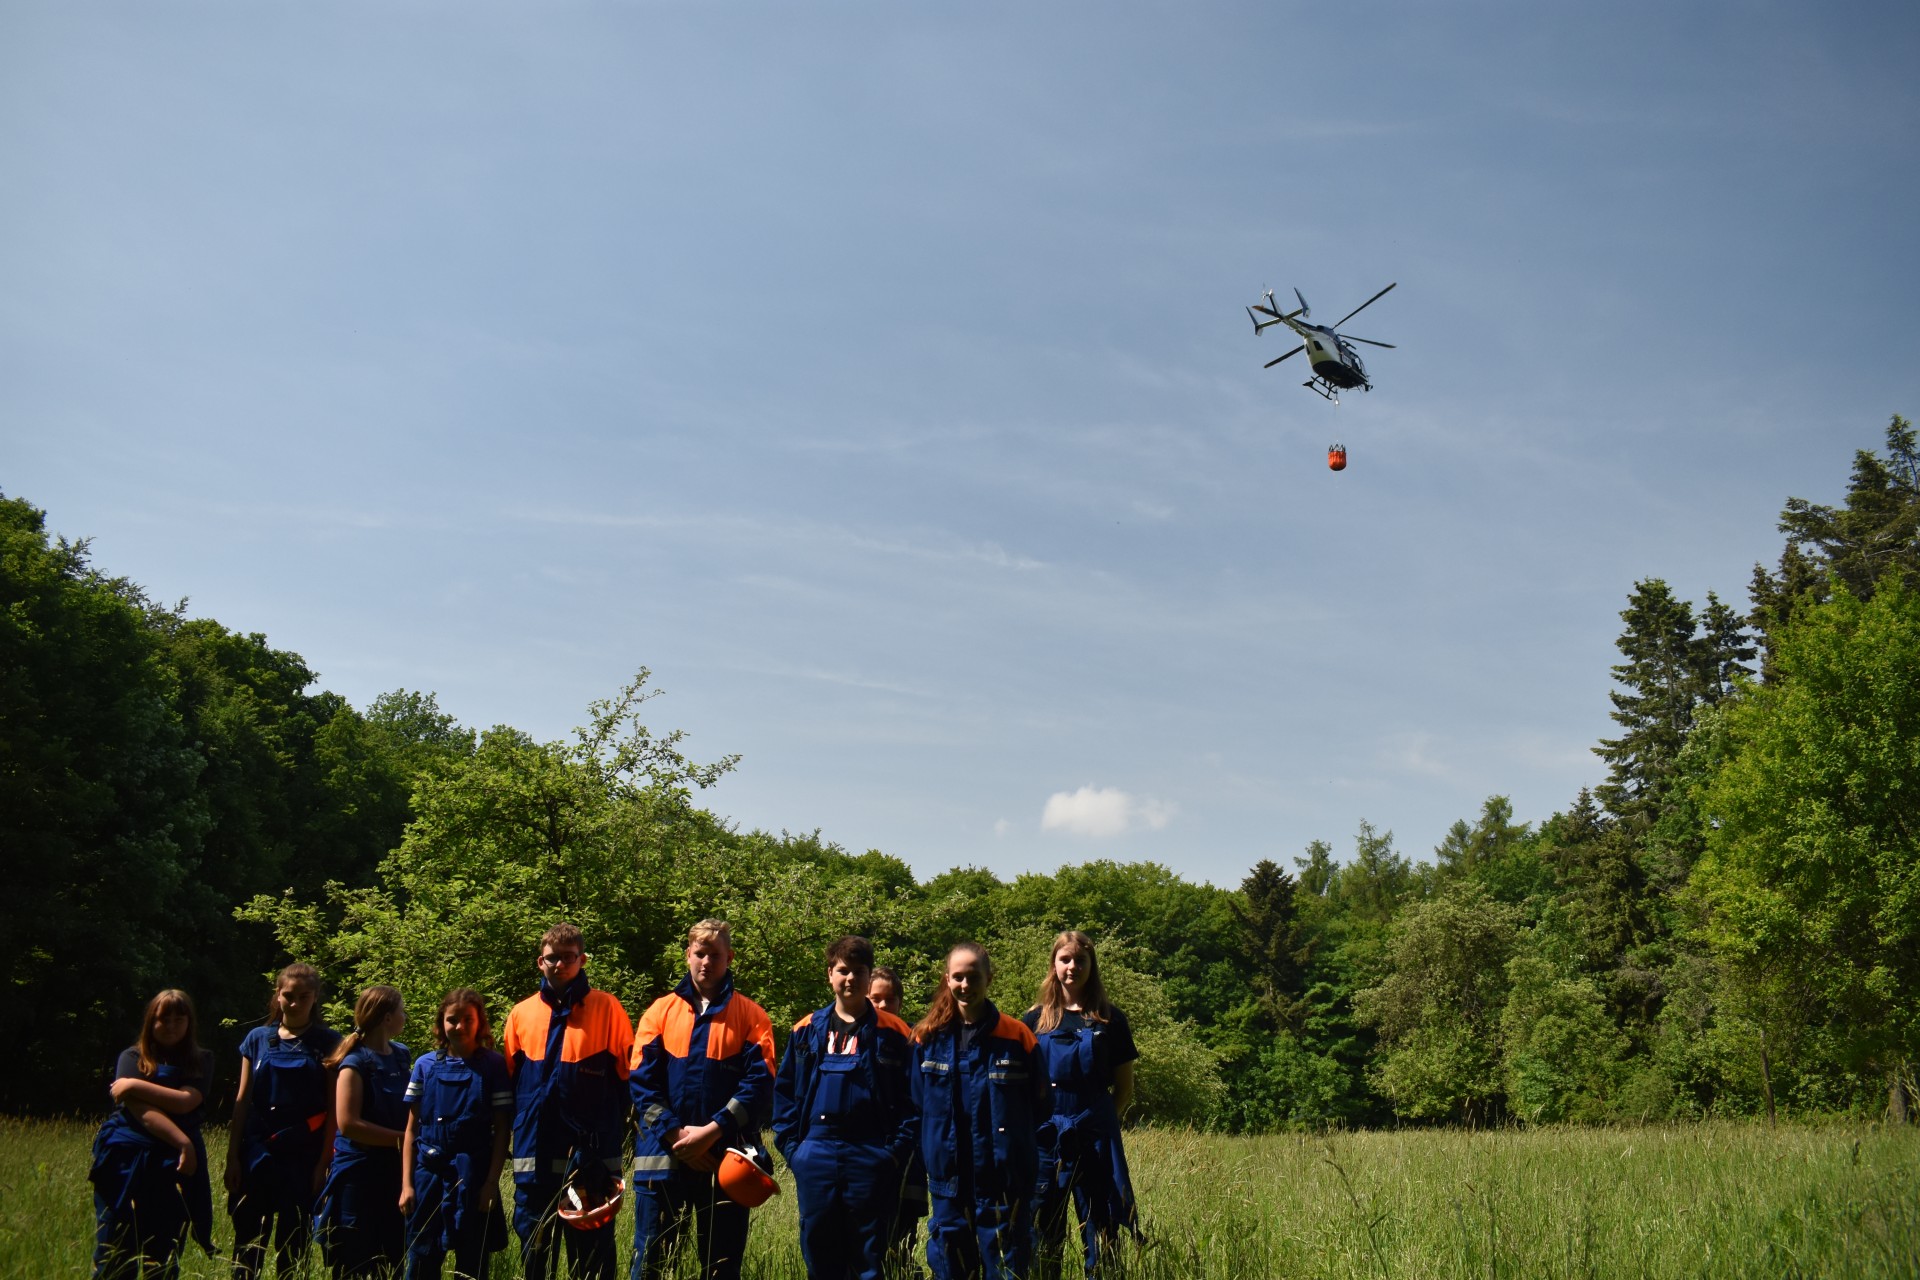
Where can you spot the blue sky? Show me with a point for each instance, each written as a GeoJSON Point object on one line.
{"type": "Point", "coordinates": [877, 374]}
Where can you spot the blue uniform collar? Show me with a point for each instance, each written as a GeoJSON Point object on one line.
{"type": "Point", "coordinates": [823, 1018]}
{"type": "Point", "coordinates": [687, 991]}
{"type": "Point", "coordinates": [566, 998]}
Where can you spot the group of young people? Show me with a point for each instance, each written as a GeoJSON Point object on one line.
{"type": "Point", "coordinates": [983, 1125]}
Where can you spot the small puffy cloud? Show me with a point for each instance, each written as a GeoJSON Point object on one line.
{"type": "Point", "coordinates": [1101, 812]}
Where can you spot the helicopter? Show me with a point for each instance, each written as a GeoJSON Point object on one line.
{"type": "Point", "coordinates": [1336, 365]}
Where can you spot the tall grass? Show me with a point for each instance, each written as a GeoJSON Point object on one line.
{"type": "Point", "coordinates": [1706, 1200]}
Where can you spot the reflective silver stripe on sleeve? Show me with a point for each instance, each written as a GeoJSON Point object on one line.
{"type": "Point", "coordinates": [652, 1164]}
{"type": "Point", "coordinates": [526, 1164]}
{"type": "Point", "coordinates": [501, 1100]}
{"type": "Point", "coordinates": [737, 1111]}
{"type": "Point", "coordinates": [653, 1115]}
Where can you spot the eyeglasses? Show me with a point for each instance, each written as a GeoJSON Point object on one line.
{"type": "Point", "coordinates": [560, 961]}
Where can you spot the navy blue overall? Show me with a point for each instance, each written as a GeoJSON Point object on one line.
{"type": "Point", "coordinates": [280, 1145]}
{"type": "Point", "coordinates": [358, 1218]}
{"type": "Point", "coordinates": [979, 1109]}
{"type": "Point", "coordinates": [143, 1210]}
{"type": "Point", "coordinates": [1086, 1162]}
{"type": "Point", "coordinates": [457, 1102]}
{"type": "Point", "coordinates": [846, 1124]}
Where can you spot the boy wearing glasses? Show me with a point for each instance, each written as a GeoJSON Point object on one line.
{"type": "Point", "coordinates": [566, 1047]}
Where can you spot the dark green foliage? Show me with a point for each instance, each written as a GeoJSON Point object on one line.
{"type": "Point", "coordinates": [1438, 1005]}
{"type": "Point", "coordinates": [1875, 533]}
{"type": "Point", "coordinates": [1499, 853]}
{"type": "Point", "coordinates": [1275, 942]}
{"type": "Point", "coordinates": [154, 770]}
{"type": "Point", "coordinates": [1674, 666]}
{"type": "Point", "coordinates": [1812, 868]}
{"type": "Point", "coordinates": [102, 822]}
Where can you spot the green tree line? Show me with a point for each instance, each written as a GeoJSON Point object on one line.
{"type": "Point", "coordinates": [1727, 924]}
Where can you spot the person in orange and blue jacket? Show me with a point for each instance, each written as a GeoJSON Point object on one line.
{"type": "Point", "coordinates": [149, 1174]}
{"type": "Point", "coordinates": [566, 1047]}
{"type": "Point", "coordinates": [281, 1134]}
{"type": "Point", "coordinates": [844, 1120]}
{"type": "Point", "coordinates": [981, 1088]}
{"type": "Point", "coordinates": [702, 1081]}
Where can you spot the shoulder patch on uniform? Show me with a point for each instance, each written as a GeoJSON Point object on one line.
{"type": "Point", "coordinates": [892, 1022]}
{"type": "Point", "coordinates": [1014, 1029]}
{"type": "Point", "coordinates": [802, 1024]}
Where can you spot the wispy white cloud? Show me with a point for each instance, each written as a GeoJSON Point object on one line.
{"type": "Point", "coordinates": [933, 549]}
{"type": "Point", "coordinates": [1101, 812]}
{"type": "Point", "coordinates": [1419, 753]}
{"type": "Point", "coordinates": [842, 678]}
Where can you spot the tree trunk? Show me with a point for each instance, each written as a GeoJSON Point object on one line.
{"type": "Point", "coordinates": [1766, 1077]}
{"type": "Point", "coordinates": [1897, 1094]}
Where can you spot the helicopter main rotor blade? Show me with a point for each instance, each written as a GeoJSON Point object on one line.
{"type": "Point", "coordinates": [1363, 306]}
{"type": "Point", "coordinates": [1277, 359]}
{"type": "Point", "coordinates": [1370, 342]}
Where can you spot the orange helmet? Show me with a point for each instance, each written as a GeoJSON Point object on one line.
{"type": "Point", "coordinates": [745, 1182]}
{"type": "Point", "coordinates": [584, 1209]}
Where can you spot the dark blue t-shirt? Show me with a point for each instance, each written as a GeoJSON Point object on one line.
{"type": "Point", "coordinates": [383, 1093]}
{"type": "Point", "coordinates": [201, 1078]}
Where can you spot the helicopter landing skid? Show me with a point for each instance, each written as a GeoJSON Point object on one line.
{"type": "Point", "coordinates": [1322, 390]}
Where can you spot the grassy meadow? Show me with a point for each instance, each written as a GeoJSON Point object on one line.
{"type": "Point", "coordinates": [1722, 1199]}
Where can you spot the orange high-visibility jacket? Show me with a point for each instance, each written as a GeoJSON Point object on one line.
{"type": "Point", "coordinates": [690, 1067]}
{"type": "Point", "coordinates": [568, 1080]}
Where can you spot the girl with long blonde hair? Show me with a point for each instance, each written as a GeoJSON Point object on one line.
{"type": "Point", "coordinates": [1089, 1053]}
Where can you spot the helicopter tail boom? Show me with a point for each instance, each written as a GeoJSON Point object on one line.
{"type": "Point", "coordinates": [1273, 315]}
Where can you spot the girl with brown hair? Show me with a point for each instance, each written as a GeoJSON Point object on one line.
{"type": "Point", "coordinates": [981, 1091]}
{"type": "Point", "coordinates": [460, 1114]}
{"type": "Point", "coordinates": [361, 1230]}
{"type": "Point", "coordinates": [149, 1169]}
{"type": "Point", "coordinates": [282, 1127]}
